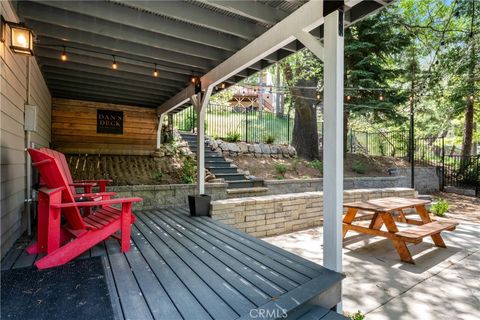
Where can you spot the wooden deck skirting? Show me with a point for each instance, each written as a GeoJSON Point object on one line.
{"type": "Point", "coordinates": [181, 267]}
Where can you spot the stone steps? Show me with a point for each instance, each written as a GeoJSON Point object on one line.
{"type": "Point", "coordinates": [217, 164]}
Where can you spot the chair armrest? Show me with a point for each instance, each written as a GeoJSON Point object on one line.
{"type": "Point", "coordinates": [94, 195]}
{"type": "Point", "coordinates": [96, 203]}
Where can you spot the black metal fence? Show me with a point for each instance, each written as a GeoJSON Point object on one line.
{"type": "Point", "coordinates": [462, 172]}
{"type": "Point", "coordinates": [248, 124]}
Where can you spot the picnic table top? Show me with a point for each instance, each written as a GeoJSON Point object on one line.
{"type": "Point", "coordinates": [386, 204]}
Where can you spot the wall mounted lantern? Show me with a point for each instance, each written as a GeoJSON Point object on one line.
{"type": "Point", "coordinates": [21, 37]}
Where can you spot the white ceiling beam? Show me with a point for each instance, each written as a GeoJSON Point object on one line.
{"type": "Point", "coordinates": [250, 9]}
{"type": "Point", "coordinates": [312, 43]}
{"type": "Point", "coordinates": [305, 18]}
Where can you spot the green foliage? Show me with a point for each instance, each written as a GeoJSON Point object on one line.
{"type": "Point", "coordinates": [189, 170]}
{"type": "Point", "coordinates": [439, 208]}
{"type": "Point", "coordinates": [317, 164]}
{"type": "Point", "coordinates": [269, 139]}
{"type": "Point", "coordinates": [357, 316]}
{"type": "Point", "coordinates": [359, 167]}
{"type": "Point", "coordinates": [281, 169]}
{"type": "Point", "coordinates": [157, 176]}
{"type": "Point", "coordinates": [232, 137]}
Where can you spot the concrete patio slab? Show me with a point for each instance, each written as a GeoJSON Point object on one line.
{"type": "Point", "coordinates": [443, 283]}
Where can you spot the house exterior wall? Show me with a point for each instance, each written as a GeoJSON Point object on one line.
{"type": "Point", "coordinates": [17, 72]}
{"type": "Point", "coordinates": [74, 129]}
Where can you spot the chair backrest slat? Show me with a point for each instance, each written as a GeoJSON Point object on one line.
{"type": "Point", "coordinates": [62, 161]}
{"type": "Point", "coordinates": [54, 177]}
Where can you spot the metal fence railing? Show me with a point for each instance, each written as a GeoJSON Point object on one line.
{"type": "Point", "coordinates": [249, 124]}
{"type": "Point", "coordinates": [462, 172]}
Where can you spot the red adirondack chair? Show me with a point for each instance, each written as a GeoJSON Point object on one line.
{"type": "Point", "coordinates": [86, 184]}
{"type": "Point", "coordinates": [62, 243]}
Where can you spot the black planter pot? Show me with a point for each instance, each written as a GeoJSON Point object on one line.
{"type": "Point", "coordinates": [199, 205]}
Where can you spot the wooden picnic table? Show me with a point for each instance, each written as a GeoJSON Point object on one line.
{"type": "Point", "coordinates": [384, 214]}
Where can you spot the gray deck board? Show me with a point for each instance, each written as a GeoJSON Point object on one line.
{"type": "Point", "coordinates": [160, 304]}
{"type": "Point", "coordinates": [178, 292]}
{"type": "Point", "coordinates": [182, 267]}
{"type": "Point", "coordinates": [278, 282]}
{"type": "Point", "coordinates": [204, 269]}
{"type": "Point", "coordinates": [249, 297]}
{"type": "Point", "coordinates": [287, 258]}
{"type": "Point", "coordinates": [267, 260]}
{"type": "Point", "coordinates": [215, 305]}
{"type": "Point", "coordinates": [133, 303]}
{"type": "Point", "coordinates": [262, 289]}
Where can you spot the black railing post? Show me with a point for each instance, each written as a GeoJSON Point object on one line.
{"type": "Point", "coordinates": [246, 124]}
{"type": "Point", "coordinates": [351, 141]}
{"type": "Point", "coordinates": [288, 127]}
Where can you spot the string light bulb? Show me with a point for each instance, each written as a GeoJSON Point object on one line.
{"type": "Point", "coordinates": [381, 98]}
{"type": "Point", "coordinates": [349, 97]}
{"type": "Point", "coordinates": [64, 55]}
{"type": "Point", "coordinates": [471, 97]}
{"type": "Point", "coordinates": [155, 71]}
{"type": "Point", "coordinates": [114, 64]}
{"type": "Point", "coordinates": [193, 79]}
{"type": "Point", "coordinates": [222, 85]}
{"type": "Point", "coordinates": [318, 96]}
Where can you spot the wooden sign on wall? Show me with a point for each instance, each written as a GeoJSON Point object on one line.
{"type": "Point", "coordinates": [109, 121]}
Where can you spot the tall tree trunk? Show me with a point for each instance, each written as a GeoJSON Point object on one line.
{"type": "Point", "coordinates": [305, 131]}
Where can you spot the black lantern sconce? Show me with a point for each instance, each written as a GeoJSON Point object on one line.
{"type": "Point", "coordinates": [21, 37]}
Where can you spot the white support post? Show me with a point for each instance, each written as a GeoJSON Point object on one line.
{"type": "Point", "coordinates": [200, 102]}
{"type": "Point", "coordinates": [159, 130]}
{"type": "Point", "coordinates": [333, 141]}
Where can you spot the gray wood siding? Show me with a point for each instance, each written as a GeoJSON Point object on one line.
{"type": "Point", "coordinates": [13, 97]}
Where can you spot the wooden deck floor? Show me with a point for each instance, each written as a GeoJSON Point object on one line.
{"type": "Point", "coordinates": [182, 267]}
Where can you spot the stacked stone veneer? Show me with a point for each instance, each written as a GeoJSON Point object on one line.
{"type": "Point", "coordinates": [276, 214]}
{"type": "Point", "coordinates": [233, 149]}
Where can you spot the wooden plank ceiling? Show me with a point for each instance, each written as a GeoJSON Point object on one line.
{"type": "Point", "coordinates": [180, 38]}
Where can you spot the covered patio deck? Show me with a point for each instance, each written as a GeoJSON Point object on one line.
{"type": "Point", "coordinates": [183, 267]}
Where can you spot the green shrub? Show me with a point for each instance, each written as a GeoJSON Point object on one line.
{"type": "Point", "coordinates": [439, 208]}
{"type": "Point", "coordinates": [232, 137]}
{"type": "Point", "coordinates": [157, 176]}
{"type": "Point", "coordinates": [359, 167]}
{"type": "Point", "coordinates": [317, 164]}
{"type": "Point", "coordinates": [188, 170]}
{"type": "Point", "coordinates": [357, 316]}
{"type": "Point", "coordinates": [281, 169]}
{"type": "Point", "coordinates": [270, 139]}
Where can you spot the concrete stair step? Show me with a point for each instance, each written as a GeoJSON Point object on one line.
{"type": "Point", "coordinates": [231, 176]}
{"type": "Point", "coordinates": [240, 184]}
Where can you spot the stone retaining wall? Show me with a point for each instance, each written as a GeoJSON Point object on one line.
{"type": "Point", "coordinates": [427, 179]}
{"type": "Point", "coordinates": [233, 149]}
{"type": "Point", "coordinates": [276, 214]}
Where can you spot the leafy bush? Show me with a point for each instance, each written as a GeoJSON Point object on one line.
{"type": "Point", "coordinates": [281, 169]}
{"type": "Point", "coordinates": [157, 176]}
{"type": "Point", "coordinates": [317, 164]}
{"type": "Point", "coordinates": [439, 208]}
{"type": "Point", "coordinates": [188, 170]}
{"type": "Point", "coordinates": [232, 137]}
{"type": "Point", "coordinates": [357, 316]}
{"type": "Point", "coordinates": [359, 167]}
{"type": "Point", "coordinates": [270, 139]}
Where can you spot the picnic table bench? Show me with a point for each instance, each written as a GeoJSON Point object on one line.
{"type": "Point", "coordinates": [386, 217]}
